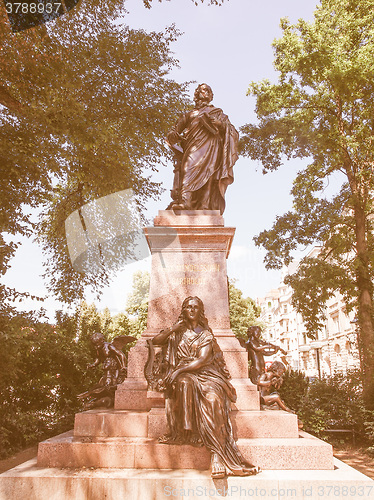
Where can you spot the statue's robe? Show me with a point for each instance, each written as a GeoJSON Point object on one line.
{"type": "Point", "coordinates": [209, 154]}
{"type": "Point", "coordinates": [199, 401]}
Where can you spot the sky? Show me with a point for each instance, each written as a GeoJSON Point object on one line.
{"type": "Point", "coordinates": [226, 47]}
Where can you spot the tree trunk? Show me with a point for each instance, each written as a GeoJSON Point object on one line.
{"type": "Point", "coordinates": [365, 308]}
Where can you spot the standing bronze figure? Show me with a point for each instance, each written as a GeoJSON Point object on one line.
{"type": "Point", "coordinates": [198, 393]}
{"type": "Point", "coordinates": [205, 145]}
{"type": "Point", "coordinates": [257, 349]}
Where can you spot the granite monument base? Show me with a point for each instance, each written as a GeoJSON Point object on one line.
{"type": "Point", "coordinates": [42, 483]}
{"type": "Point", "coordinates": [115, 454]}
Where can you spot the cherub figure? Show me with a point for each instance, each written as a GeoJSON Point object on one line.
{"type": "Point", "coordinates": [272, 379]}
{"type": "Point", "coordinates": [257, 349]}
{"type": "Point", "coordinates": [113, 362]}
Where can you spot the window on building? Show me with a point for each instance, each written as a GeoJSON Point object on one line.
{"type": "Point", "coordinates": [337, 350]}
{"type": "Point", "coordinates": [326, 332]}
{"type": "Point", "coordinates": [336, 326]}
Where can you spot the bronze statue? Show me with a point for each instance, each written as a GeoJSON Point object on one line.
{"type": "Point", "coordinates": [205, 145]}
{"type": "Point", "coordinates": [114, 365]}
{"type": "Point", "coordinates": [272, 379]}
{"type": "Point", "coordinates": [198, 393]}
{"type": "Point", "coordinates": [257, 349]}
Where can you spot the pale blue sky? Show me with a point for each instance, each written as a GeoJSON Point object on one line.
{"type": "Point", "coordinates": [226, 47]}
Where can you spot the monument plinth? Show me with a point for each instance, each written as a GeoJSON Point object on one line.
{"type": "Point", "coordinates": [189, 252]}
{"type": "Point", "coordinates": [116, 454]}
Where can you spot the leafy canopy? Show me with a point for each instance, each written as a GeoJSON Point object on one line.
{"type": "Point", "coordinates": [321, 109]}
{"type": "Point", "coordinates": [86, 103]}
{"type": "Point", "coordinates": [243, 311]}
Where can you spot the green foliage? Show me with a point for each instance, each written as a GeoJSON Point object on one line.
{"type": "Point", "coordinates": [294, 389]}
{"type": "Point", "coordinates": [314, 282]}
{"type": "Point", "coordinates": [43, 369]}
{"type": "Point", "coordinates": [87, 101]}
{"type": "Point", "coordinates": [330, 403]}
{"type": "Point", "coordinates": [243, 311]}
{"type": "Point", "coordinates": [369, 429]}
{"type": "Point", "coordinates": [137, 302]}
{"type": "Point", "coordinates": [335, 403]}
{"type": "Point", "coordinates": [120, 324]}
{"type": "Point", "coordinates": [321, 110]}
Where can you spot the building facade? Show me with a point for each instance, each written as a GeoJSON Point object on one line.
{"type": "Point", "coordinates": [334, 349]}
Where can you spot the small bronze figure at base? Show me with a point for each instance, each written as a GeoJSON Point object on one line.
{"type": "Point", "coordinates": [257, 349]}
{"type": "Point", "coordinates": [198, 392]}
{"type": "Point", "coordinates": [113, 362]}
{"type": "Point", "coordinates": [272, 379]}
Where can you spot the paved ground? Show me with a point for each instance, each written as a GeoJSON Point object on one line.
{"type": "Point", "coordinates": [355, 457]}
{"type": "Point", "coordinates": [17, 459]}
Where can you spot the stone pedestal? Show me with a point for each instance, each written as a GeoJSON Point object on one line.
{"type": "Point", "coordinates": [115, 454]}
{"type": "Point", "coordinates": [189, 251]}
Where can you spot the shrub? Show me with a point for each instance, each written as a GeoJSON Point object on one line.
{"type": "Point", "coordinates": [334, 403]}
{"type": "Point", "coordinates": [293, 389]}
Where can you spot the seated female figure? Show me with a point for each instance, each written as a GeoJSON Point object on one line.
{"type": "Point", "coordinates": [198, 392]}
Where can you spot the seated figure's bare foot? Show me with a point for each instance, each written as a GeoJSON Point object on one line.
{"type": "Point", "coordinates": [194, 440]}
{"type": "Point", "coordinates": [251, 470]}
{"type": "Point", "coordinates": [168, 439]}
{"type": "Point", "coordinates": [218, 468]}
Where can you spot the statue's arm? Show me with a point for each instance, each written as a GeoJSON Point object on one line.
{"type": "Point", "coordinates": [174, 135]}
{"type": "Point", "coordinates": [257, 348]}
{"type": "Point", "coordinates": [203, 359]}
{"type": "Point", "coordinates": [263, 381]}
{"type": "Point", "coordinates": [95, 363]}
{"type": "Point", "coordinates": [162, 337]}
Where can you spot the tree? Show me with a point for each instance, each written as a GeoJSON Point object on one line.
{"type": "Point", "coordinates": [93, 102]}
{"type": "Point", "coordinates": [321, 109]}
{"type": "Point", "coordinates": [137, 302]}
{"type": "Point", "coordinates": [243, 311]}
{"type": "Point", "coordinates": [42, 369]}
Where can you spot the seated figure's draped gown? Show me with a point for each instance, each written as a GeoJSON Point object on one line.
{"type": "Point", "coordinates": [199, 401]}
{"type": "Point", "coordinates": [209, 154]}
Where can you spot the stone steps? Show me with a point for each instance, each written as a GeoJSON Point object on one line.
{"type": "Point", "coordinates": [35, 483]}
{"type": "Point", "coordinates": [126, 423]}
{"type": "Point", "coordinates": [66, 450]}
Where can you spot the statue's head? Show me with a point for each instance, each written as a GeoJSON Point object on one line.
{"type": "Point", "coordinates": [203, 93]}
{"type": "Point", "coordinates": [97, 339]}
{"type": "Point", "coordinates": [254, 331]}
{"type": "Point", "coordinates": [278, 368]}
{"type": "Point", "coordinates": [194, 303]}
